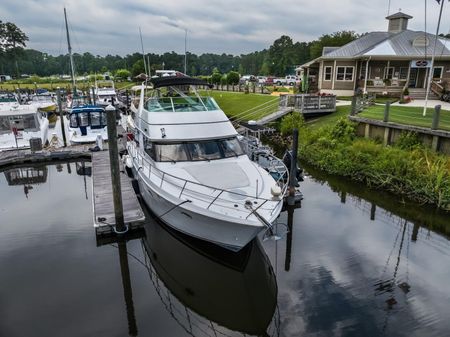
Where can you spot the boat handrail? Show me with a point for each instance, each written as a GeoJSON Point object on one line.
{"type": "Point", "coordinates": [183, 186]}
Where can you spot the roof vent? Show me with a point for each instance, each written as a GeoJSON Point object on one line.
{"type": "Point", "coordinates": [421, 41]}
{"type": "Point", "coordinates": [398, 22]}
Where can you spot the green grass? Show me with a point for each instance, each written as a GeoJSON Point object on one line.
{"type": "Point", "coordinates": [331, 119]}
{"type": "Point", "coordinates": [383, 100]}
{"type": "Point", "coordinates": [54, 85]}
{"type": "Point", "coordinates": [235, 103]}
{"type": "Point", "coordinates": [408, 116]}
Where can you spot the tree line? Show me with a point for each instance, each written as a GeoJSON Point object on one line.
{"type": "Point", "coordinates": [279, 59]}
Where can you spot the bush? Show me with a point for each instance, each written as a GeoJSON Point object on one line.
{"type": "Point", "coordinates": [408, 140]}
{"type": "Point", "coordinates": [233, 77]}
{"type": "Point", "coordinates": [290, 122]}
{"type": "Point", "coordinates": [216, 77]}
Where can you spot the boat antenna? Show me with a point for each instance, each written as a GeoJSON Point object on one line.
{"type": "Point", "coordinates": [69, 47]}
{"type": "Point", "coordinates": [143, 54]}
{"type": "Point", "coordinates": [185, 51]}
{"type": "Point", "coordinates": [430, 75]}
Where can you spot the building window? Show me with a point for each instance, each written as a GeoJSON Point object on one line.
{"type": "Point", "coordinates": [403, 75]}
{"type": "Point", "coordinates": [437, 72]}
{"type": "Point", "coordinates": [327, 73]}
{"type": "Point", "coordinates": [344, 74]}
{"type": "Point", "coordinates": [389, 73]}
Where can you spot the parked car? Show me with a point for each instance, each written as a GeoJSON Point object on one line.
{"type": "Point", "coordinates": [269, 80]}
{"type": "Point", "coordinates": [261, 79]}
{"type": "Point", "coordinates": [288, 80]}
{"type": "Point", "coordinates": [247, 78]}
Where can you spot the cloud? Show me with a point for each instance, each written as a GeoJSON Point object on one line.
{"type": "Point", "coordinates": [112, 27]}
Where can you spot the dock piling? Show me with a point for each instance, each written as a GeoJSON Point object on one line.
{"type": "Point", "coordinates": [436, 116]}
{"type": "Point", "coordinates": [386, 111]}
{"type": "Point", "coordinates": [61, 115]}
{"type": "Point", "coordinates": [114, 166]}
{"type": "Point", "coordinates": [293, 168]}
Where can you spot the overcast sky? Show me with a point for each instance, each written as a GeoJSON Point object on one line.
{"type": "Point", "coordinates": [232, 26]}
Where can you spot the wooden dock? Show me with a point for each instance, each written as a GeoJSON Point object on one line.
{"type": "Point", "coordinates": [103, 196]}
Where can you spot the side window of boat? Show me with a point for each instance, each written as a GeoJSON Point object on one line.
{"type": "Point", "coordinates": [231, 147]}
{"type": "Point", "coordinates": [206, 150]}
{"type": "Point", "coordinates": [29, 122]}
{"type": "Point", "coordinates": [73, 121]}
{"type": "Point", "coordinates": [149, 147]}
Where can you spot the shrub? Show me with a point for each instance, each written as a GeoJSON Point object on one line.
{"type": "Point", "coordinates": [408, 140]}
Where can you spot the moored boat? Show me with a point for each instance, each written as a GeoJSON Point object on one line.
{"type": "Point", "coordinates": [86, 123]}
{"type": "Point", "coordinates": [192, 171]}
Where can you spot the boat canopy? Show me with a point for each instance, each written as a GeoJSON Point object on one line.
{"type": "Point", "coordinates": [169, 81]}
{"type": "Point", "coordinates": [87, 108]}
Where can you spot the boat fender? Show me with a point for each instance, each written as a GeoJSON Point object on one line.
{"type": "Point", "coordinates": [275, 190]}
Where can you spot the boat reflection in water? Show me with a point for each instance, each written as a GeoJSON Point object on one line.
{"type": "Point", "coordinates": [26, 176]}
{"type": "Point", "coordinates": [209, 290]}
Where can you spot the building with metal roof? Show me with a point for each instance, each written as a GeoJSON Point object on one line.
{"type": "Point", "coordinates": [383, 62]}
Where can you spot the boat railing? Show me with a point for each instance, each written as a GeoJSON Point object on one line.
{"type": "Point", "coordinates": [206, 196]}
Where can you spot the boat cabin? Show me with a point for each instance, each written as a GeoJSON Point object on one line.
{"type": "Point", "coordinates": [87, 116]}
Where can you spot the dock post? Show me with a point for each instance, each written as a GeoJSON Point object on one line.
{"type": "Point", "coordinates": [436, 116]}
{"type": "Point", "coordinates": [61, 115]}
{"type": "Point", "coordinates": [127, 93]}
{"type": "Point", "coordinates": [386, 111]}
{"type": "Point", "coordinates": [93, 96]}
{"type": "Point", "coordinates": [293, 168]}
{"type": "Point", "coordinates": [290, 221]}
{"type": "Point", "coordinates": [353, 111]}
{"type": "Point", "coordinates": [114, 165]}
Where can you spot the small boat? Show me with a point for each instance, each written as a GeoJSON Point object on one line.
{"type": "Point", "coordinates": [192, 171]}
{"type": "Point", "coordinates": [44, 102]}
{"type": "Point", "coordinates": [19, 124]}
{"type": "Point", "coordinates": [8, 100]}
{"type": "Point", "coordinates": [86, 123]}
{"type": "Point", "coordinates": [106, 95]}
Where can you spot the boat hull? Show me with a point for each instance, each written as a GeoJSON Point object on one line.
{"type": "Point", "coordinates": [228, 234]}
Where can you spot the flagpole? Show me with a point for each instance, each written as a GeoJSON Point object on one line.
{"type": "Point", "coordinates": [430, 75]}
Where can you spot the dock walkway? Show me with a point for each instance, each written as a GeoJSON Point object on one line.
{"type": "Point", "coordinates": [103, 196]}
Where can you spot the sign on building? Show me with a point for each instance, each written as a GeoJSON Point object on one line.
{"type": "Point", "coordinates": [420, 64]}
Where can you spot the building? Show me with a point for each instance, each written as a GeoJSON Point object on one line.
{"type": "Point", "coordinates": [383, 62]}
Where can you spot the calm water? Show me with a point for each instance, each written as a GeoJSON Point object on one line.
{"type": "Point", "coordinates": [356, 263]}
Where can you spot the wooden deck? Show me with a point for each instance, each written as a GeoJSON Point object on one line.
{"type": "Point", "coordinates": [103, 197]}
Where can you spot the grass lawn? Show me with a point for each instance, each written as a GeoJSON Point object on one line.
{"type": "Point", "coordinates": [408, 115]}
{"type": "Point", "coordinates": [341, 111]}
{"type": "Point", "coordinates": [235, 103]}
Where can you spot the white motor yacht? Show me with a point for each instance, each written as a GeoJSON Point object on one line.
{"type": "Point", "coordinates": [192, 171]}
{"type": "Point", "coordinates": [106, 95]}
{"type": "Point", "coordinates": [20, 123]}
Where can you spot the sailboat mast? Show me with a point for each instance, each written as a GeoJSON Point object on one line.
{"type": "Point", "coordinates": [185, 51]}
{"type": "Point", "coordinates": [72, 69]}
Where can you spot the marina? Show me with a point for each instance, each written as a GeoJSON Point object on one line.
{"type": "Point", "coordinates": [171, 285]}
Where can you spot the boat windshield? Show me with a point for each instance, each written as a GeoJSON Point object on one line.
{"type": "Point", "coordinates": [194, 151]}
{"type": "Point", "coordinates": [179, 99]}
{"type": "Point", "coordinates": [42, 98]}
{"type": "Point", "coordinates": [20, 122]}
{"type": "Point", "coordinates": [94, 119]}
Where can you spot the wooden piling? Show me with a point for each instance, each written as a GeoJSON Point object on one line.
{"type": "Point", "coordinates": [61, 115]}
{"type": "Point", "coordinates": [387, 107]}
{"type": "Point", "coordinates": [114, 166]}
{"type": "Point", "coordinates": [293, 168]}
{"type": "Point", "coordinates": [353, 110]}
{"type": "Point", "coordinates": [436, 117]}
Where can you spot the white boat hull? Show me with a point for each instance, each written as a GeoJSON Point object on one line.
{"type": "Point", "coordinates": [229, 234]}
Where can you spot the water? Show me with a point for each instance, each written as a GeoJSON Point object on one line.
{"type": "Point", "coordinates": [357, 263]}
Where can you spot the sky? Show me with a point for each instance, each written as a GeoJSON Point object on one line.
{"type": "Point", "coordinates": [236, 27]}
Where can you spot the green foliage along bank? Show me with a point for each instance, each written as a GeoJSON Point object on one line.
{"type": "Point", "coordinates": [407, 169]}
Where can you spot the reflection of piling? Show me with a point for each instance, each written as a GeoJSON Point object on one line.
{"type": "Point", "coordinates": [343, 197]}
{"type": "Point", "coordinates": [127, 290]}
{"type": "Point", "coordinates": [415, 232]}
{"type": "Point", "coordinates": [61, 116]}
{"type": "Point", "coordinates": [290, 220]}
{"type": "Point", "coordinates": [293, 168]}
{"type": "Point", "coordinates": [114, 166]}
{"type": "Point", "coordinates": [373, 209]}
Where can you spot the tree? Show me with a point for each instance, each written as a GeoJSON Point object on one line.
{"type": "Point", "coordinates": [281, 55]}
{"type": "Point", "coordinates": [232, 77]}
{"type": "Point", "coordinates": [336, 39]}
{"type": "Point", "coordinates": [138, 68]}
{"type": "Point", "coordinates": [216, 76]}
{"type": "Point", "coordinates": [122, 74]}
{"type": "Point", "coordinates": [12, 42]}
